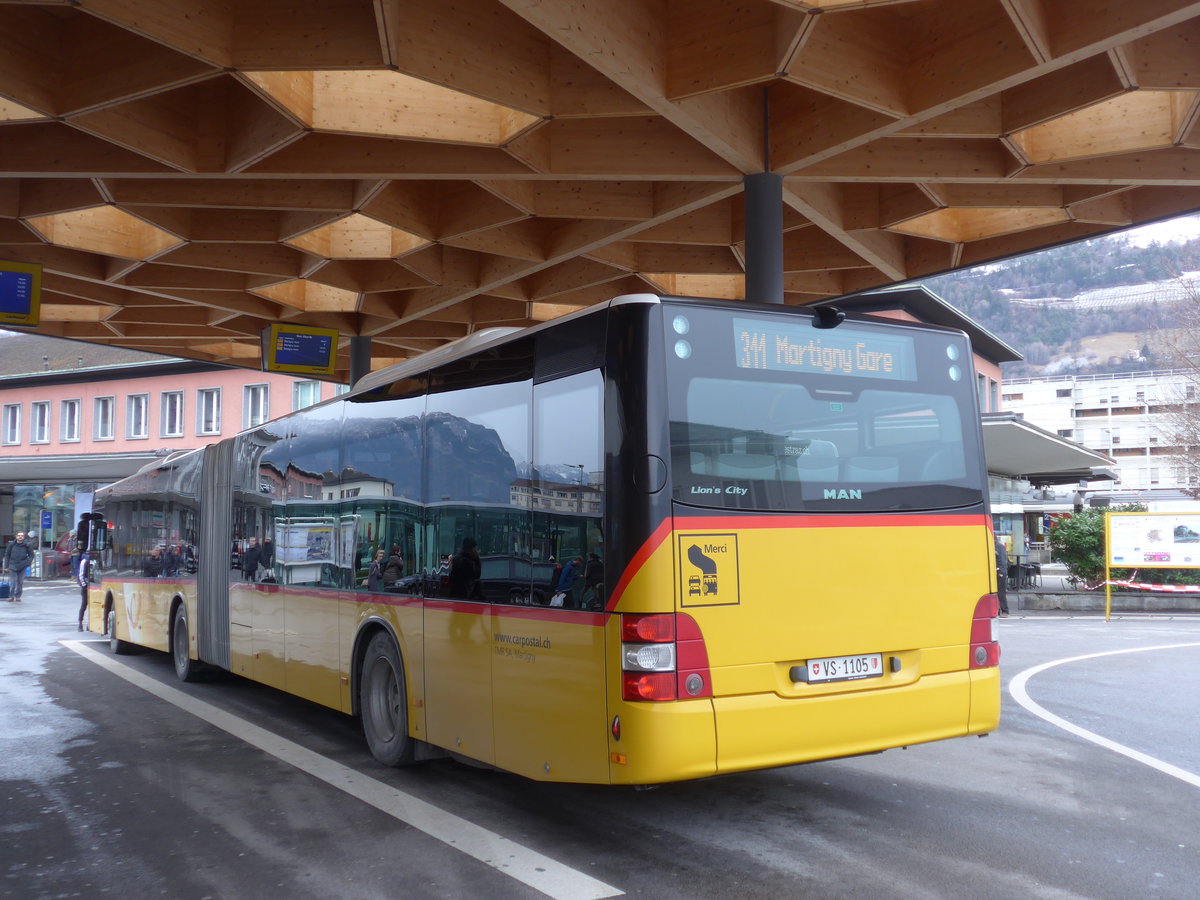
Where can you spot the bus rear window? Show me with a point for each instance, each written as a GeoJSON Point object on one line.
{"type": "Point", "coordinates": [778, 437]}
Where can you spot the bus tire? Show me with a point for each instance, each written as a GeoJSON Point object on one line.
{"type": "Point", "coordinates": [119, 647]}
{"type": "Point", "coordinates": [186, 668]}
{"type": "Point", "coordinates": [383, 703]}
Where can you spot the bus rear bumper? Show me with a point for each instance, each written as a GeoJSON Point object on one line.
{"type": "Point", "coordinates": [764, 730]}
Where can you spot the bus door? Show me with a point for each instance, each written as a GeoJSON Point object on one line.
{"type": "Point", "coordinates": [458, 666]}
{"type": "Point", "coordinates": [548, 659]}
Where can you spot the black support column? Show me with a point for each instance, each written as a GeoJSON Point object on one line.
{"type": "Point", "coordinates": [764, 237]}
{"type": "Point", "coordinates": [360, 357]}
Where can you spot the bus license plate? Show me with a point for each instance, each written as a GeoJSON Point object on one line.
{"type": "Point", "coordinates": [845, 668]}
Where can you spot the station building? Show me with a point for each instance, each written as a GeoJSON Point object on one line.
{"type": "Point", "coordinates": [76, 416]}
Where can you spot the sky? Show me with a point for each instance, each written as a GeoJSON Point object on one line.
{"type": "Point", "coordinates": [1181, 229]}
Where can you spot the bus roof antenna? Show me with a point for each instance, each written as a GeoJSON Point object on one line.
{"type": "Point", "coordinates": [828, 317]}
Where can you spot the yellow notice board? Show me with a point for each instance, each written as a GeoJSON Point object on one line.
{"type": "Point", "coordinates": [20, 293]}
{"type": "Point", "coordinates": [1139, 540]}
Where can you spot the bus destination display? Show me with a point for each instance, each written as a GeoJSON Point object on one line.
{"type": "Point", "coordinates": [797, 347]}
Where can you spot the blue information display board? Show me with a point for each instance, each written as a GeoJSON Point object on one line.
{"type": "Point", "coordinates": [20, 293]}
{"type": "Point", "coordinates": [299, 349]}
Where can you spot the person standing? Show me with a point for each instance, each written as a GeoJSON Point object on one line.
{"type": "Point", "coordinates": [17, 557]}
{"type": "Point", "coordinates": [393, 569]}
{"type": "Point", "coordinates": [1002, 577]}
{"type": "Point", "coordinates": [375, 572]}
{"type": "Point", "coordinates": [82, 574]}
{"type": "Point", "coordinates": [465, 569]}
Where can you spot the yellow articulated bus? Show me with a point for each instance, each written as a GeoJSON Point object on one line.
{"type": "Point", "coordinates": [656, 540]}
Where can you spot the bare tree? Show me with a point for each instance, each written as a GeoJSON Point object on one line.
{"type": "Point", "coordinates": [1176, 344]}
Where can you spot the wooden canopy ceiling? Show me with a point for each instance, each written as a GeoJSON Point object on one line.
{"type": "Point", "coordinates": [188, 171]}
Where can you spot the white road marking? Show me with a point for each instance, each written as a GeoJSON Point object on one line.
{"type": "Point", "coordinates": [512, 859]}
{"type": "Point", "coordinates": [1017, 688]}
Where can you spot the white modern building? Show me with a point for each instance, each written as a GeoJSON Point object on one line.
{"type": "Point", "coordinates": [1123, 416]}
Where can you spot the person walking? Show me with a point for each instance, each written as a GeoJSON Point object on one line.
{"type": "Point", "coordinates": [17, 557]}
{"type": "Point", "coordinates": [251, 560]}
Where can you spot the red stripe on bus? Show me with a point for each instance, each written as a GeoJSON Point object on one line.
{"type": "Point", "coordinates": [547, 614]}
{"type": "Point", "coordinates": [795, 520]}
{"type": "Point", "coordinates": [639, 559]}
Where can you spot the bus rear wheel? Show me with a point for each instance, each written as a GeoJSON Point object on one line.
{"type": "Point", "coordinates": [186, 668]}
{"type": "Point", "coordinates": [383, 702]}
{"type": "Point", "coordinates": [117, 646]}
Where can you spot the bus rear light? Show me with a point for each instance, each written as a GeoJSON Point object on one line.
{"type": "Point", "coordinates": [648, 685]}
{"type": "Point", "coordinates": [657, 628]}
{"type": "Point", "coordinates": [663, 657]}
{"type": "Point", "coordinates": [985, 633]}
{"type": "Point", "coordinates": [648, 657]}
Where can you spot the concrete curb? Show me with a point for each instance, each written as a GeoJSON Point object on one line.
{"type": "Point", "coordinates": [1122, 601]}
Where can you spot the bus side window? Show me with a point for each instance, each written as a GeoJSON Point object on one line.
{"type": "Point", "coordinates": [568, 497]}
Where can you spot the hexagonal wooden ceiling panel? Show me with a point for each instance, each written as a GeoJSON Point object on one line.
{"type": "Point", "coordinates": [189, 170]}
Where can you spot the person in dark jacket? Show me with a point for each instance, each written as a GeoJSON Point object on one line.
{"type": "Point", "coordinates": [1002, 577]}
{"type": "Point", "coordinates": [465, 568]}
{"type": "Point", "coordinates": [563, 591]}
{"type": "Point", "coordinates": [152, 565]}
{"type": "Point", "coordinates": [593, 572]}
{"type": "Point", "coordinates": [251, 560]}
{"type": "Point", "coordinates": [393, 569]}
{"type": "Point", "coordinates": [17, 557]}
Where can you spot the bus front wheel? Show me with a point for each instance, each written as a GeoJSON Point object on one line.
{"type": "Point", "coordinates": [119, 647]}
{"type": "Point", "coordinates": [185, 667]}
{"type": "Point", "coordinates": [383, 701]}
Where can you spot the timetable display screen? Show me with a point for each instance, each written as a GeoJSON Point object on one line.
{"type": "Point", "coordinates": [20, 290]}
{"type": "Point", "coordinates": [798, 347]}
{"type": "Point", "coordinates": [299, 350]}
{"type": "Point", "coordinates": [302, 349]}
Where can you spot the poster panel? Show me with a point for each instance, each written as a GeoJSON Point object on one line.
{"type": "Point", "coordinates": [1154, 540]}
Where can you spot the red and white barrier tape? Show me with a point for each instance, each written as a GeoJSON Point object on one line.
{"type": "Point", "coordinates": [1166, 588]}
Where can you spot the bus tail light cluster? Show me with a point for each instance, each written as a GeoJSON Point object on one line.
{"type": "Point", "coordinates": [663, 657]}
{"type": "Point", "coordinates": [985, 633]}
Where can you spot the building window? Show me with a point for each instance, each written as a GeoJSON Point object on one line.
{"type": "Point", "coordinates": [1008, 397]}
{"type": "Point", "coordinates": [993, 395]}
{"type": "Point", "coordinates": [68, 428]}
{"type": "Point", "coordinates": [208, 411]}
{"type": "Point", "coordinates": [1065, 432]}
{"type": "Point", "coordinates": [39, 422]}
{"type": "Point", "coordinates": [256, 404]}
{"type": "Point", "coordinates": [339, 389]}
{"type": "Point", "coordinates": [136, 406]}
{"type": "Point", "coordinates": [981, 386]}
{"type": "Point", "coordinates": [1154, 476]}
{"type": "Point", "coordinates": [305, 393]}
{"type": "Point", "coordinates": [12, 423]}
{"type": "Point", "coordinates": [102, 425]}
{"type": "Point", "coordinates": [1063, 392]}
{"type": "Point", "coordinates": [171, 420]}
